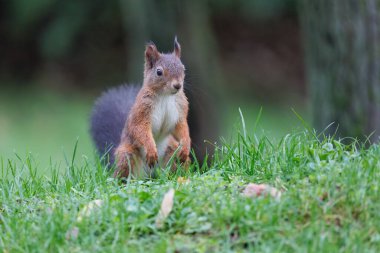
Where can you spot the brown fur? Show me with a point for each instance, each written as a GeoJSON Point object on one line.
{"type": "Point", "coordinates": [137, 134]}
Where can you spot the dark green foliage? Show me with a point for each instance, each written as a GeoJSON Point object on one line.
{"type": "Point", "coordinates": [49, 31]}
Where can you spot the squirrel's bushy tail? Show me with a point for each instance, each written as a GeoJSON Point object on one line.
{"type": "Point", "coordinates": [108, 118]}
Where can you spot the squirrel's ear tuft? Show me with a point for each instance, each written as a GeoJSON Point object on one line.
{"type": "Point", "coordinates": [177, 48]}
{"type": "Point", "coordinates": [151, 55]}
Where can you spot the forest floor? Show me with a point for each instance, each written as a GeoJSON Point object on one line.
{"type": "Point", "coordinates": [329, 202]}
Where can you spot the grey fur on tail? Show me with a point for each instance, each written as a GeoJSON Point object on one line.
{"type": "Point", "coordinates": [108, 118]}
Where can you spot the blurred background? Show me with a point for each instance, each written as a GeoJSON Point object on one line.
{"type": "Point", "coordinates": [58, 56]}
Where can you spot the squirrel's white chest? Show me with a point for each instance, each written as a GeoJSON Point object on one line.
{"type": "Point", "coordinates": [165, 116]}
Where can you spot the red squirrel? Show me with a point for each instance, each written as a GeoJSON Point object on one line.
{"type": "Point", "coordinates": [155, 119]}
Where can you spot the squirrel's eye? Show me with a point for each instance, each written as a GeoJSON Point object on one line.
{"type": "Point", "coordinates": [159, 72]}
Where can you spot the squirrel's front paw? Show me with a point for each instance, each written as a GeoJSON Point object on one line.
{"type": "Point", "coordinates": [151, 158]}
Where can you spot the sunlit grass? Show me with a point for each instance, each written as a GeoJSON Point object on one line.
{"type": "Point", "coordinates": [330, 202]}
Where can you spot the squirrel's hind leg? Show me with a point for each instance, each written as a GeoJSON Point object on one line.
{"type": "Point", "coordinates": [170, 151]}
{"type": "Point", "coordinates": [125, 161]}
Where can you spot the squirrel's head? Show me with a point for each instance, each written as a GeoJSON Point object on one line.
{"type": "Point", "coordinates": [164, 72]}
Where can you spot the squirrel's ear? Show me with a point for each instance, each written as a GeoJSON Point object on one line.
{"type": "Point", "coordinates": [151, 55]}
{"type": "Point", "coordinates": [177, 48]}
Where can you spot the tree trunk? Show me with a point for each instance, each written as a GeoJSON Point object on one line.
{"type": "Point", "coordinates": [342, 47]}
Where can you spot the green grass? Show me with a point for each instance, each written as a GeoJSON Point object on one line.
{"type": "Point", "coordinates": [330, 203]}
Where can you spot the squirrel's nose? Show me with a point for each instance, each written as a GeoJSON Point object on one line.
{"type": "Point", "coordinates": [177, 86]}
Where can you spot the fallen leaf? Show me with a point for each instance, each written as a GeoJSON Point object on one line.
{"type": "Point", "coordinates": [183, 180]}
{"type": "Point", "coordinates": [88, 209]}
{"type": "Point", "coordinates": [166, 208]}
{"type": "Point", "coordinates": [72, 234]}
{"type": "Point", "coordinates": [256, 190]}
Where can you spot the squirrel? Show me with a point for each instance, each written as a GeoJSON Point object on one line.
{"type": "Point", "coordinates": [139, 128]}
